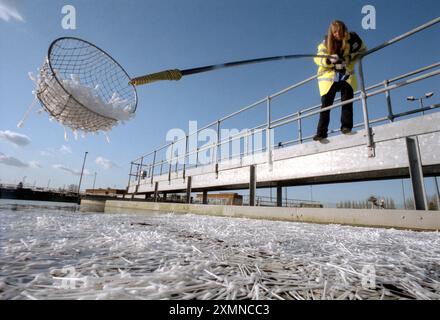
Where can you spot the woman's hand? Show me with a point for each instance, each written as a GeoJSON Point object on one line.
{"type": "Point", "coordinates": [334, 58]}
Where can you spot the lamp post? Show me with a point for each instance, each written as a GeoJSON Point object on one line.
{"type": "Point", "coordinates": [426, 96]}
{"type": "Point", "coordinates": [94, 180]}
{"type": "Point", "coordinates": [80, 178]}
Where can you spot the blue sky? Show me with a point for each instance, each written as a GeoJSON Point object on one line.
{"type": "Point", "coordinates": [149, 36]}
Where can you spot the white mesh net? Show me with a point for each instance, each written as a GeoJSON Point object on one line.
{"type": "Point", "coordinates": [83, 88]}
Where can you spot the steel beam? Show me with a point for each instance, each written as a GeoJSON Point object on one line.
{"type": "Point", "coordinates": [416, 173]}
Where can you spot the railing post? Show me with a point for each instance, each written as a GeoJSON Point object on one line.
{"type": "Point", "coordinates": [247, 142]}
{"type": "Point", "coordinates": [154, 163]}
{"type": "Point", "coordinates": [299, 127]}
{"type": "Point", "coordinates": [389, 105]}
{"type": "Point", "coordinates": [129, 175]}
{"type": "Point", "coordinates": [268, 133]}
{"type": "Point", "coordinates": [171, 161]}
{"type": "Point", "coordinates": [253, 142]}
{"type": "Point", "coordinates": [217, 148]}
{"type": "Point", "coordinates": [140, 171]}
{"type": "Point", "coordinates": [161, 167]}
{"type": "Point", "coordinates": [368, 131]}
{"type": "Point", "coordinates": [184, 157]}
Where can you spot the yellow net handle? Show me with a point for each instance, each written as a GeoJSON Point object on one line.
{"type": "Point", "coordinates": [173, 74]}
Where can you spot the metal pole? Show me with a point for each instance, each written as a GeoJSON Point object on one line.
{"type": "Point", "coordinates": [129, 175]}
{"type": "Point", "coordinates": [217, 152]}
{"type": "Point", "coordinates": [184, 157]}
{"type": "Point", "coordinates": [421, 106]}
{"type": "Point", "coordinates": [389, 105]}
{"type": "Point", "coordinates": [365, 112]}
{"type": "Point", "coordinates": [80, 178]}
{"type": "Point", "coordinates": [268, 133]}
{"type": "Point", "coordinates": [299, 127]}
{"type": "Point", "coordinates": [140, 171]}
{"type": "Point", "coordinates": [152, 167]}
{"type": "Point", "coordinates": [171, 161]}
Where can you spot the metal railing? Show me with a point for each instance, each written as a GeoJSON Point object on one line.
{"type": "Point", "coordinates": [140, 169]}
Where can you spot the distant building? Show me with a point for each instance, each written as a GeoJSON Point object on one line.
{"type": "Point", "coordinates": [105, 192]}
{"type": "Point", "coordinates": [222, 199]}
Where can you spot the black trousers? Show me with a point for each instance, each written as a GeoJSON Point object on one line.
{"type": "Point", "coordinates": [347, 109]}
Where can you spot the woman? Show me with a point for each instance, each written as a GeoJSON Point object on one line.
{"type": "Point", "coordinates": [337, 74]}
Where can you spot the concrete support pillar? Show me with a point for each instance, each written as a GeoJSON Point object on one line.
{"type": "Point", "coordinates": [156, 191]}
{"type": "Point", "coordinates": [279, 195]}
{"type": "Point", "coordinates": [205, 197]}
{"type": "Point", "coordinates": [188, 190]}
{"type": "Point", "coordinates": [416, 173]}
{"type": "Point", "coordinates": [252, 186]}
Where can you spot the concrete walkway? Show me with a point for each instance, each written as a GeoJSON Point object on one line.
{"type": "Point", "coordinates": [401, 219]}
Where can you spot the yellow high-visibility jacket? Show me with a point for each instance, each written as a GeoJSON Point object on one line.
{"type": "Point", "coordinates": [326, 71]}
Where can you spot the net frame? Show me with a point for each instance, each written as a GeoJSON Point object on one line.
{"type": "Point", "coordinates": [96, 69]}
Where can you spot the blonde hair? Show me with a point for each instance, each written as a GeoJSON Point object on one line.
{"type": "Point", "coordinates": [333, 45]}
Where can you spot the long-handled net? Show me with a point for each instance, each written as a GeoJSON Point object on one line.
{"type": "Point", "coordinates": [83, 87]}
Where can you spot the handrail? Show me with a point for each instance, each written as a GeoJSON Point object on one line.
{"type": "Point", "coordinates": [362, 94]}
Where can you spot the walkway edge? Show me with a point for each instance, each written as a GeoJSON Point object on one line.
{"type": "Point", "coordinates": [399, 219]}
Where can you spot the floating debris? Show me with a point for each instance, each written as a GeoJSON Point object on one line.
{"type": "Point", "coordinates": [51, 254]}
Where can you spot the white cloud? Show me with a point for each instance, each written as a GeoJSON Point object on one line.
{"type": "Point", "coordinates": [106, 163]}
{"type": "Point", "coordinates": [11, 161]}
{"type": "Point", "coordinates": [45, 153]}
{"type": "Point", "coordinates": [7, 11]}
{"type": "Point", "coordinates": [65, 149]}
{"type": "Point", "coordinates": [15, 138]}
{"type": "Point", "coordinates": [72, 171]}
{"type": "Point", "coordinates": [35, 164]}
